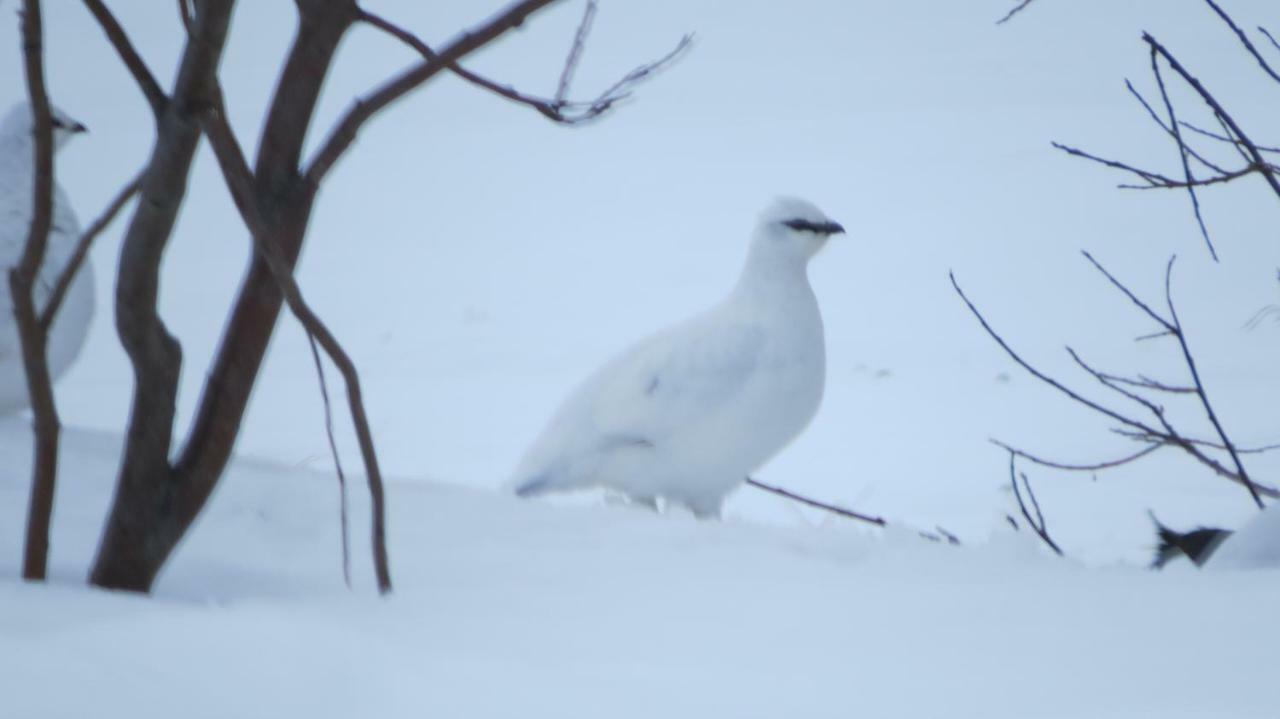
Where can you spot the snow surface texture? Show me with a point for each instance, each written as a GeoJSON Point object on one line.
{"type": "Point", "coordinates": [68, 333]}
{"type": "Point", "coordinates": [506, 609]}
{"type": "Point", "coordinates": [688, 414]}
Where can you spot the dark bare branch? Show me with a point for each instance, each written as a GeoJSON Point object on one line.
{"type": "Point", "coordinates": [1017, 9]}
{"type": "Point", "coordinates": [1151, 437]}
{"type": "Point", "coordinates": [1153, 179]}
{"type": "Point", "coordinates": [337, 461]}
{"type": "Point", "coordinates": [1166, 324]}
{"type": "Point", "coordinates": [879, 521]}
{"type": "Point", "coordinates": [1144, 382]}
{"type": "Point", "coordinates": [1037, 524]}
{"type": "Point", "coordinates": [1071, 467]}
{"type": "Point", "coordinates": [558, 109]}
{"type": "Point", "coordinates": [129, 55]}
{"type": "Point", "coordinates": [1202, 393]}
{"type": "Point", "coordinates": [239, 180]}
{"type": "Point", "coordinates": [1183, 154]}
{"type": "Point", "coordinates": [1156, 410]}
{"type": "Point", "coordinates": [1171, 132]}
{"type": "Point", "coordinates": [1105, 411]}
{"type": "Point", "coordinates": [1269, 36]}
{"type": "Point", "coordinates": [1221, 179]}
{"type": "Point", "coordinates": [1249, 145]}
{"type": "Point", "coordinates": [1224, 138]}
{"type": "Point", "coordinates": [152, 507]}
{"type": "Point", "coordinates": [22, 279]}
{"type": "Point", "coordinates": [575, 52]}
{"type": "Point", "coordinates": [81, 251]}
{"type": "Point", "coordinates": [344, 133]}
{"type": "Point", "coordinates": [1244, 39]}
{"type": "Point", "coordinates": [1259, 449]}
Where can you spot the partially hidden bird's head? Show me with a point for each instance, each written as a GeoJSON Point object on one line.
{"type": "Point", "coordinates": [19, 123]}
{"type": "Point", "coordinates": [796, 226]}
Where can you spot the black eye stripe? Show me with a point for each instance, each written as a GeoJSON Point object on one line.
{"type": "Point", "coordinates": [821, 228]}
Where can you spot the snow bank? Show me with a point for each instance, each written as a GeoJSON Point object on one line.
{"type": "Point", "coordinates": [508, 608]}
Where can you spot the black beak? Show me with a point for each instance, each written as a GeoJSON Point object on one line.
{"type": "Point", "coordinates": [78, 127]}
{"type": "Point", "coordinates": [831, 228]}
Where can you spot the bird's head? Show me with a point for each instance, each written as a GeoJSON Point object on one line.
{"type": "Point", "coordinates": [20, 122]}
{"type": "Point", "coordinates": [796, 226]}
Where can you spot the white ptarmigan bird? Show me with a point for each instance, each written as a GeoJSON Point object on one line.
{"type": "Point", "coordinates": [71, 326]}
{"type": "Point", "coordinates": [687, 414]}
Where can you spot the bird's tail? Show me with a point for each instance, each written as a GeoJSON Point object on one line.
{"type": "Point", "coordinates": [1197, 545]}
{"type": "Point", "coordinates": [533, 486]}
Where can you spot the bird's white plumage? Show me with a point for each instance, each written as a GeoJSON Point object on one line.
{"type": "Point", "coordinates": [68, 332]}
{"type": "Point", "coordinates": [687, 414]}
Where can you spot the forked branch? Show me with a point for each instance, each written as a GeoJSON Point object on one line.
{"type": "Point", "coordinates": [239, 179]}
{"type": "Point", "coordinates": [559, 108]}
{"type": "Point", "coordinates": [1037, 523]}
{"type": "Point", "coordinates": [1154, 433]}
{"type": "Point", "coordinates": [1250, 152]}
{"type": "Point", "coordinates": [81, 250]}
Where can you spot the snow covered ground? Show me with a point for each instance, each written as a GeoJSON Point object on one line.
{"type": "Point", "coordinates": [507, 608]}
{"type": "Point", "coordinates": [478, 262]}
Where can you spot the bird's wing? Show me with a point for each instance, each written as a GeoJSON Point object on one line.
{"type": "Point", "coordinates": [674, 380]}
{"type": "Point", "coordinates": [661, 387]}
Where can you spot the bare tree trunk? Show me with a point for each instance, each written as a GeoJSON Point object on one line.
{"type": "Point", "coordinates": [143, 526]}
{"type": "Point", "coordinates": [156, 501]}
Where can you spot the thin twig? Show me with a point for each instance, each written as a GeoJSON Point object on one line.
{"type": "Point", "coordinates": [363, 109]}
{"type": "Point", "coordinates": [558, 109]}
{"type": "Point", "coordinates": [1223, 138]}
{"type": "Point", "coordinates": [1167, 435]}
{"type": "Point", "coordinates": [337, 461]}
{"type": "Point", "coordinates": [132, 60]}
{"type": "Point", "coordinates": [879, 521]}
{"type": "Point", "coordinates": [1144, 382]}
{"type": "Point", "coordinates": [1009, 16]}
{"type": "Point", "coordinates": [1183, 154]}
{"type": "Point", "coordinates": [1169, 326]}
{"type": "Point", "coordinates": [575, 52]}
{"type": "Point", "coordinates": [1200, 390]}
{"type": "Point", "coordinates": [1219, 111]}
{"type": "Point", "coordinates": [1037, 524]}
{"type": "Point", "coordinates": [1170, 131]}
{"type": "Point", "coordinates": [1260, 449]}
{"type": "Point", "coordinates": [1222, 179]}
{"type": "Point", "coordinates": [1040, 375]}
{"type": "Point", "coordinates": [1244, 40]}
{"type": "Point", "coordinates": [81, 250]}
{"type": "Point", "coordinates": [1268, 35]}
{"type": "Point", "coordinates": [1092, 467]}
{"type": "Point", "coordinates": [1155, 179]}
{"type": "Point", "coordinates": [239, 180]}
